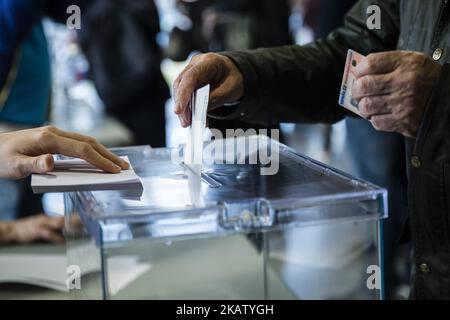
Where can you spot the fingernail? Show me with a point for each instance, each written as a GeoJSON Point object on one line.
{"type": "Point", "coordinates": [177, 108]}
{"type": "Point", "coordinates": [185, 122]}
{"type": "Point", "coordinates": [43, 166]}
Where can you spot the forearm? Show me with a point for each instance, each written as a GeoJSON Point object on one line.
{"type": "Point", "coordinates": [286, 84]}
{"type": "Point", "coordinates": [301, 83]}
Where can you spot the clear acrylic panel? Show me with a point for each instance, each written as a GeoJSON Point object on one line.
{"type": "Point", "coordinates": [306, 231]}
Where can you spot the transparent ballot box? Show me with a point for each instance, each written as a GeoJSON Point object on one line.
{"type": "Point", "coordinates": [247, 228]}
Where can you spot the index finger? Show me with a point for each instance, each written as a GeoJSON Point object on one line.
{"type": "Point", "coordinates": [193, 78]}
{"type": "Point", "coordinates": [186, 86]}
{"type": "Point", "coordinates": [78, 149]}
{"type": "Point", "coordinates": [96, 145]}
{"type": "Point", "coordinates": [377, 63]}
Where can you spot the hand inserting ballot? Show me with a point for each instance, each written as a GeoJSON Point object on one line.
{"type": "Point", "coordinates": [227, 83]}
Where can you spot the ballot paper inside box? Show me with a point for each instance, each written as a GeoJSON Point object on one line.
{"type": "Point", "coordinates": [306, 232]}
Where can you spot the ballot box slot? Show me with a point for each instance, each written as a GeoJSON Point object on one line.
{"type": "Point", "coordinates": [205, 177]}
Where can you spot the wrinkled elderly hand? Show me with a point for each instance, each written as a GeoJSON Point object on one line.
{"type": "Point", "coordinates": [393, 88]}
{"type": "Point", "coordinates": [227, 83]}
{"type": "Point", "coordinates": [30, 151]}
{"type": "Point", "coordinates": [39, 228]}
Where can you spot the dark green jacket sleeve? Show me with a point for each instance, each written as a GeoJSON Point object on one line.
{"type": "Point", "coordinates": [302, 83]}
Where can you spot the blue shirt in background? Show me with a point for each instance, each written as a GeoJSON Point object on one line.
{"type": "Point", "coordinates": [28, 99]}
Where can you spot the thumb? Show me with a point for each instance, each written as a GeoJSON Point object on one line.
{"type": "Point", "coordinates": [40, 164]}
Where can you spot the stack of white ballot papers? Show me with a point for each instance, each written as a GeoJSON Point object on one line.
{"type": "Point", "coordinates": [78, 175]}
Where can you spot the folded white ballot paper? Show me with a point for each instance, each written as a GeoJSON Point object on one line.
{"type": "Point", "coordinates": [78, 175]}
{"type": "Point", "coordinates": [193, 153]}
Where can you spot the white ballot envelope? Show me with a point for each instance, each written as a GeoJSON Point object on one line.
{"type": "Point", "coordinates": [193, 153]}
{"type": "Point", "coordinates": [199, 108]}
{"type": "Point", "coordinates": [79, 175]}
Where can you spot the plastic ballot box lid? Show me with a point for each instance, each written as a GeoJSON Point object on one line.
{"type": "Point", "coordinates": [248, 184]}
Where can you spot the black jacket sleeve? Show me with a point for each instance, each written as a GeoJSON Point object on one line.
{"type": "Point", "coordinates": [434, 134]}
{"type": "Point", "coordinates": [302, 83]}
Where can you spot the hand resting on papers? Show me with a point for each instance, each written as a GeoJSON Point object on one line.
{"type": "Point", "coordinates": [30, 151]}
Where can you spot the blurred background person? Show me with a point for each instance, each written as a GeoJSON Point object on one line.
{"type": "Point", "coordinates": [222, 25]}
{"type": "Point", "coordinates": [118, 38]}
